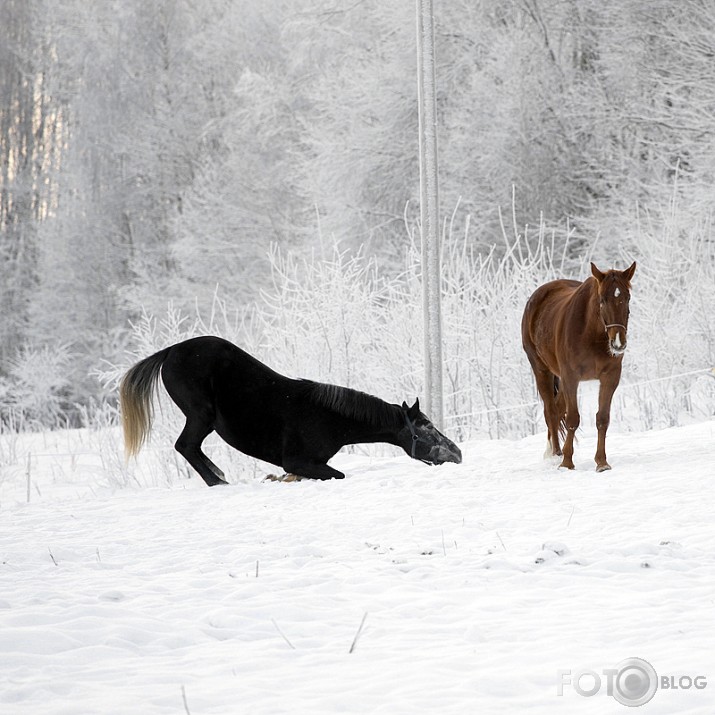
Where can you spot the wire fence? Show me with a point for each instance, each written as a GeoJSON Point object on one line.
{"type": "Point", "coordinates": [621, 387]}
{"type": "Point", "coordinates": [156, 449]}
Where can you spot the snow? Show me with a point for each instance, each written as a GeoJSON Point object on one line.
{"type": "Point", "coordinates": [480, 581]}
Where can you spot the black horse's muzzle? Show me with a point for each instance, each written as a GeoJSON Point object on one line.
{"type": "Point", "coordinates": [445, 453]}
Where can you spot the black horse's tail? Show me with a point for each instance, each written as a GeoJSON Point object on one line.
{"type": "Point", "coordinates": [135, 400]}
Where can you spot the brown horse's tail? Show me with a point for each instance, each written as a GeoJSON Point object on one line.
{"type": "Point", "coordinates": [136, 392]}
{"type": "Point", "coordinates": [560, 407]}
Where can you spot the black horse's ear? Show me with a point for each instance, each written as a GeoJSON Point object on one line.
{"type": "Point", "coordinates": [404, 405]}
{"type": "Point", "coordinates": [628, 273]}
{"type": "Point", "coordinates": [414, 411]}
{"type": "Point", "coordinates": [598, 275]}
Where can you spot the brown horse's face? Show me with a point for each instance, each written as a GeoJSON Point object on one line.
{"type": "Point", "coordinates": [614, 295]}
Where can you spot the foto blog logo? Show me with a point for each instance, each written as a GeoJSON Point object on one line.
{"type": "Point", "coordinates": [632, 682]}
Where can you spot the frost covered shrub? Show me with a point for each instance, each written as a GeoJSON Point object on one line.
{"type": "Point", "coordinates": [338, 319]}
{"type": "Point", "coordinates": [323, 318]}
{"type": "Point", "coordinates": [491, 390]}
{"type": "Point", "coordinates": [672, 328]}
{"type": "Point", "coordinates": [34, 392]}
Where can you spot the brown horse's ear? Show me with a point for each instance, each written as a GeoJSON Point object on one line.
{"type": "Point", "coordinates": [596, 273]}
{"type": "Point", "coordinates": [628, 273]}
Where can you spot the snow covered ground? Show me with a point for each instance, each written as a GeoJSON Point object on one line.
{"type": "Point", "coordinates": [481, 582]}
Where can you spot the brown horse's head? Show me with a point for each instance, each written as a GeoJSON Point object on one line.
{"type": "Point", "coordinates": [614, 295]}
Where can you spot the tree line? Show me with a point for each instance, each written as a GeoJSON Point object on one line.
{"type": "Point", "coordinates": [151, 152]}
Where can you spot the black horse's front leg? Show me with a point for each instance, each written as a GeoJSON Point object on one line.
{"type": "Point", "coordinates": [310, 470]}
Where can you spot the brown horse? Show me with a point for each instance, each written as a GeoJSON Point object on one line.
{"type": "Point", "coordinates": [571, 332]}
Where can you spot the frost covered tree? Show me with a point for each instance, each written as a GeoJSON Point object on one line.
{"type": "Point", "coordinates": [31, 134]}
{"type": "Point", "coordinates": [357, 68]}
{"type": "Point", "coordinates": [142, 104]}
{"type": "Point", "coordinates": [244, 195]}
{"type": "Point", "coordinates": [150, 151]}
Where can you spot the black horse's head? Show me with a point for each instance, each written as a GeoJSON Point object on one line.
{"type": "Point", "coordinates": [423, 441]}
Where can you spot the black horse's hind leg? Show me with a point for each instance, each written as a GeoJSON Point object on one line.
{"type": "Point", "coordinates": [189, 447]}
{"type": "Point", "coordinates": [310, 470]}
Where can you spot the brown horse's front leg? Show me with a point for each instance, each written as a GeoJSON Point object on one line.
{"type": "Point", "coordinates": [573, 419]}
{"type": "Point", "coordinates": [603, 418]}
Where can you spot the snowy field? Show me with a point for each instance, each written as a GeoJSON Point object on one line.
{"type": "Point", "coordinates": [480, 581]}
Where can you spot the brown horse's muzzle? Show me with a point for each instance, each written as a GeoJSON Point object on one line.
{"type": "Point", "coordinates": [617, 339]}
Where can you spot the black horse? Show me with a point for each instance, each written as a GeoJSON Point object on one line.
{"type": "Point", "coordinates": [295, 424]}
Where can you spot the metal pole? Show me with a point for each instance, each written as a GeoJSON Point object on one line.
{"type": "Point", "coordinates": [429, 213]}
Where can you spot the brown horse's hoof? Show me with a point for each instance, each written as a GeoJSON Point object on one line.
{"type": "Point", "coordinates": [550, 454]}
{"type": "Point", "coordinates": [564, 465]}
{"type": "Point", "coordinates": [603, 467]}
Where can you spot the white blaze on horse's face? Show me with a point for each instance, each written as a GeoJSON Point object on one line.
{"type": "Point", "coordinates": [614, 313]}
{"type": "Point", "coordinates": [614, 297]}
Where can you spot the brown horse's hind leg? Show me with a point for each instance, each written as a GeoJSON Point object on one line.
{"type": "Point", "coordinates": [546, 385]}
{"type": "Point", "coordinates": [572, 419]}
{"type": "Point", "coordinates": [561, 413]}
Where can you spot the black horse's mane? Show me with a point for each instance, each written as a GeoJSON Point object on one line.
{"type": "Point", "coordinates": [354, 404]}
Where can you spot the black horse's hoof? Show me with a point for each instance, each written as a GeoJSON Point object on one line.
{"type": "Point", "coordinates": [283, 478]}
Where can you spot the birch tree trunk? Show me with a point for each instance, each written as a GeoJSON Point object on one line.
{"type": "Point", "coordinates": [27, 130]}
